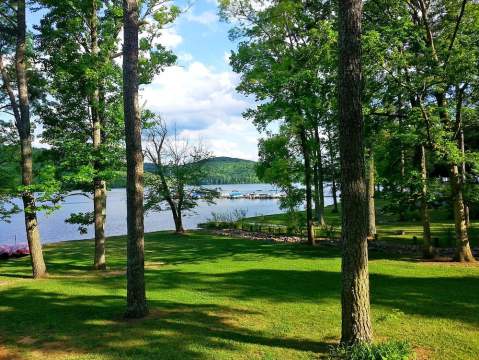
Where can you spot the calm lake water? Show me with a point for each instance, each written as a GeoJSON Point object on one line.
{"type": "Point", "coordinates": [53, 227]}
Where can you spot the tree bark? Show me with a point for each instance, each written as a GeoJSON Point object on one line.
{"type": "Point", "coordinates": [308, 181]}
{"type": "Point", "coordinates": [136, 294]}
{"type": "Point", "coordinates": [99, 185]}
{"type": "Point", "coordinates": [463, 248]}
{"type": "Point", "coordinates": [371, 203]}
{"type": "Point", "coordinates": [356, 322]}
{"type": "Point", "coordinates": [178, 222]}
{"type": "Point", "coordinates": [24, 130]}
{"type": "Point", "coordinates": [99, 207]}
{"type": "Point", "coordinates": [318, 181]}
{"type": "Point", "coordinates": [428, 251]}
{"type": "Point", "coordinates": [463, 168]}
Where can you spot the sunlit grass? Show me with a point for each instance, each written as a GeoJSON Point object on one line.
{"type": "Point", "coordinates": [219, 298]}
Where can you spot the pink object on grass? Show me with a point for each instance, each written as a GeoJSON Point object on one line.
{"type": "Point", "coordinates": [9, 251]}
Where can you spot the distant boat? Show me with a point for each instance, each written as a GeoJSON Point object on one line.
{"type": "Point", "coordinates": [235, 194]}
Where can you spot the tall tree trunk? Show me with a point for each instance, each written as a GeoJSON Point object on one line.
{"type": "Point", "coordinates": [460, 95]}
{"type": "Point", "coordinates": [99, 207]}
{"type": "Point", "coordinates": [428, 249]}
{"type": "Point", "coordinates": [356, 322]}
{"type": "Point", "coordinates": [318, 180]}
{"type": "Point", "coordinates": [136, 294]}
{"type": "Point", "coordinates": [463, 171]}
{"type": "Point", "coordinates": [463, 248]}
{"type": "Point", "coordinates": [371, 203]}
{"type": "Point", "coordinates": [99, 185]}
{"type": "Point", "coordinates": [308, 181]}
{"type": "Point", "coordinates": [24, 131]}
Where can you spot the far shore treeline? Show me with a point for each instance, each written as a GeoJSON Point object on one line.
{"type": "Point", "coordinates": [218, 170]}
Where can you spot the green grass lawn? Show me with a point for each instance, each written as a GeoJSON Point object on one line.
{"type": "Point", "coordinates": [388, 227]}
{"type": "Point", "coordinates": [221, 298]}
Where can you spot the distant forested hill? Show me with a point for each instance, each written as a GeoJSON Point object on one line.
{"type": "Point", "coordinates": [220, 170]}
{"type": "Point", "coordinates": [225, 170]}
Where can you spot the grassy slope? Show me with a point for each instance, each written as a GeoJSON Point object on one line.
{"type": "Point", "coordinates": [219, 298]}
{"type": "Point", "coordinates": [388, 227]}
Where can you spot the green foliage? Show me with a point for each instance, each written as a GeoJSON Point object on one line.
{"type": "Point", "coordinates": [391, 350]}
{"type": "Point", "coordinates": [225, 220]}
{"type": "Point", "coordinates": [45, 184]}
{"type": "Point", "coordinates": [226, 170]}
{"type": "Point", "coordinates": [81, 219]}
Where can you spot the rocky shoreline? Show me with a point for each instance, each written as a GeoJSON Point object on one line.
{"type": "Point", "coordinates": [373, 245]}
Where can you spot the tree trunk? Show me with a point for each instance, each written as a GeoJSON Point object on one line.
{"type": "Point", "coordinates": [99, 195]}
{"type": "Point", "coordinates": [99, 206]}
{"type": "Point", "coordinates": [428, 249]}
{"type": "Point", "coordinates": [178, 222]}
{"type": "Point", "coordinates": [371, 203]}
{"type": "Point", "coordinates": [24, 131]}
{"type": "Point", "coordinates": [318, 181]}
{"type": "Point", "coordinates": [463, 172]}
{"type": "Point", "coordinates": [463, 248]}
{"type": "Point", "coordinates": [356, 322]}
{"type": "Point", "coordinates": [307, 180]}
{"type": "Point", "coordinates": [136, 294]}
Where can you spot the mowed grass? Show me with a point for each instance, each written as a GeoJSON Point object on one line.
{"type": "Point", "coordinates": [221, 298]}
{"type": "Point", "coordinates": [388, 227]}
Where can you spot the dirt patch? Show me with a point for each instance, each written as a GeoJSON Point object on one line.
{"type": "Point", "coordinates": [27, 340]}
{"type": "Point", "coordinates": [92, 274]}
{"type": "Point", "coordinates": [54, 350]}
{"type": "Point", "coordinates": [154, 264]}
{"type": "Point", "coordinates": [111, 273]}
{"type": "Point", "coordinates": [448, 261]}
{"type": "Point", "coordinates": [6, 354]}
{"type": "Point", "coordinates": [422, 353]}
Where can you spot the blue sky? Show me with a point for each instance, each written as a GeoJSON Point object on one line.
{"type": "Point", "coordinates": [198, 94]}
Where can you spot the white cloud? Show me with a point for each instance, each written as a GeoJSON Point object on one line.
{"type": "Point", "coordinates": [185, 57]}
{"type": "Point", "coordinates": [170, 38]}
{"type": "Point", "coordinates": [208, 18]}
{"type": "Point", "coordinates": [203, 103]}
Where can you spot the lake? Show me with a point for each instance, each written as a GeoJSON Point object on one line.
{"type": "Point", "coordinates": [53, 227]}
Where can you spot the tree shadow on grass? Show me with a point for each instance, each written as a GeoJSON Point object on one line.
{"type": "Point", "coordinates": [56, 325]}
{"type": "Point", "coordinates": [454, 298]}
{"type": "Point", "coordinates": [165, 247]}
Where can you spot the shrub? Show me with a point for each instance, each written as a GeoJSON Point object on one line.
{"type": "Point", "coordinates": [329, 231]}
{"type": "Point", "coordinates": [226, 220]}
{"type": "Point", "coordinates": [390, 350]}
{"type": "Point", "coordinates": [294, 221]}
